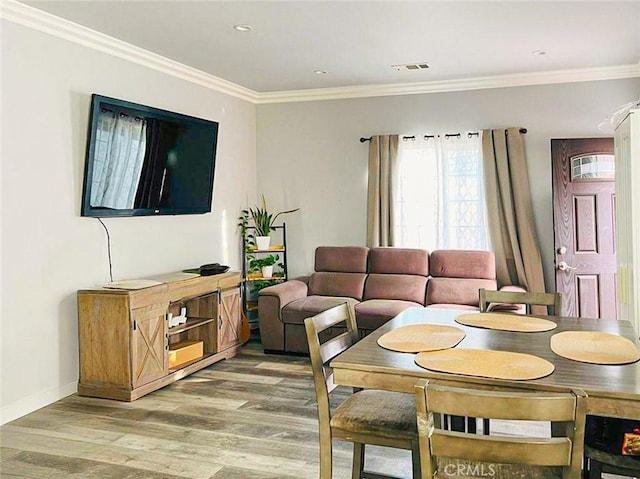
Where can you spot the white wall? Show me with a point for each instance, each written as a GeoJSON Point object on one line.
{"type": "Point", "coordinates": [48, 250]}
{"type": "Point", "coordinates": [310, 156]}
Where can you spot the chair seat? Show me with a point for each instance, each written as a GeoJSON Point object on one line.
{"type": "Point", "coordinates": [381, 413]}
{"type": "Point", "coordinates": [461, 469]}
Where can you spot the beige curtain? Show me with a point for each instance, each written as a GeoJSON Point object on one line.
{"type": "Point", "coordinates": [511, 227]}
{"type": "Point", "coordinates": [383, 160]}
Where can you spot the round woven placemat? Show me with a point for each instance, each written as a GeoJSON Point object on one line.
{"type": "Point", "coordinates": [507, 322]}
{"type": "Point", "coordinates": [594, 347]}
{"type": "Point", "coordinates": [486, 364]}
{"type": "Point", "coordinates": [421, 337]}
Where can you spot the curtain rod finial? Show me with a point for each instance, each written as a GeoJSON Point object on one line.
{"type": "Point", "coordinates": [363, 139]}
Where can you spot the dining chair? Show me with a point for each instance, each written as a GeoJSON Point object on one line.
{"type": "Point", "coordinates": [550, 300]}
{"type": "Point", "coordinates": [457, 454]}
{"type": "Point", "coordinates": [603, 448]}
{"type": "Point", "coordinates": [553, 302]}
{"type": "Point", "coordinates": [381, 418]}
{"type": "Point", "coordinates": [598, 462]}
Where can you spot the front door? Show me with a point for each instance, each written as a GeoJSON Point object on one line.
{"type": "Point", "coordinates": [584, 226]}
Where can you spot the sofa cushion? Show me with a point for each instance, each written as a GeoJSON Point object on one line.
{"type": "Point", "coordinates": [462, 264]}
{"type": "Point", "coordinates": [457, 291]}
{"type": "Point", "coordinates": [298, 310]}
{"type": "Point", "coordinates": [405, 287]}
{"type": "Point", "coordinates": [373, 313]}
{"type": "Point", "coordinates": [341, 259]}
{"type": "Point", "coordinates": [464, 307]}
{"type": "Point", "coordinates": [337, 284]}
{"type": "Point", "coordinates": [399, 261]}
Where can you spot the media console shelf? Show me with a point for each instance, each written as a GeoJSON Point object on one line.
{"type": "Point", "coordinates": [125, 339]}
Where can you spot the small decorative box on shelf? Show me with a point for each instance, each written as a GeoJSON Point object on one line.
{"type": "Point", "coordinates": [185, 351]}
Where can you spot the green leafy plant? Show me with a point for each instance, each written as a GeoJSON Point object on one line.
{"type": "Point", "coordinates": [262, 219]}
{"type": "Point", "coordinates": [255, 265]}
{"type": "Point", "coordinates": [243, 224]}
{"type": "Point", "coordinates": [258, 263]}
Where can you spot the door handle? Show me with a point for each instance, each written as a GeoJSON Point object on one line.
{"type": "Point", "coordinates": [563, 266]}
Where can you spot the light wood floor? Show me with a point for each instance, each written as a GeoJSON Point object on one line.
{"type": "Point", "coordinates": [253, 417]}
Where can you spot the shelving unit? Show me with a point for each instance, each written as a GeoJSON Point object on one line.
{"type": "Point", "coordinates": [253, 281]}
{"type": "Point", "coordinates": [125, 340]}
{"type": "Point", "coordinates": [627, 154]}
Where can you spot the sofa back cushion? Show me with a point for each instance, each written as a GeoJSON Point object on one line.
{"type": "Point", "coordinates": [341, 259]}
{"type": "Point", "coordinates": [399, 261]}
{"type": "Point", "coordinates": [397, 273]}
{"type": "Point", "coordinates": [458, 275]}
{"type": "Point", "coordinates": [462, 264]}
{"type": "Point", "coordinates": [457, 290]}
{"type": "Point", "coordinates": [324, 283]}
{"type": "Point", "coordinates": [405, 287]}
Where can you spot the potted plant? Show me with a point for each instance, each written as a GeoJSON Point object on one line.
{"type": "Point", "coordinates": [265, 264]}
{"type": "Point", "coordinates": [263, 221]}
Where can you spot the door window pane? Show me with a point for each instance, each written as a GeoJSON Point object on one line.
{"type": "Point", "coordinates": [592, 167]}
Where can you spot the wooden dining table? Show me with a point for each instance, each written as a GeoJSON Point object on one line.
{"type": "Point", "coordinates": [613, 390]}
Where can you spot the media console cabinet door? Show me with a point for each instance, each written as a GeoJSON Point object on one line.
{"type": "Point", "coordinates": [149, 358]}
{"type": "Point", "coordinates": [229, 319]}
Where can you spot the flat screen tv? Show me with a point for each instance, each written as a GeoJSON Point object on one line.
{"type": "Point", "coordinates": [146, 161]}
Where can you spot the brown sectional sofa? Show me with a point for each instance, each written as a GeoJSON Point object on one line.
{"type": "Point", "coordinates": [379, 282]}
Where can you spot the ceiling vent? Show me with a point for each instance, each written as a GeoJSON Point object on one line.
{"type": "Point", "coordinates": [410, 67]}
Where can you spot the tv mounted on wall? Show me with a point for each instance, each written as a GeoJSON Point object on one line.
{"type": "Point", "coordinates": [146, 161]}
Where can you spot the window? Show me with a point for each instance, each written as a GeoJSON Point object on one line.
{"type": "Point", "coordinates": [593, 167]}
{"type": "Point", "coordinates": [439, 201]}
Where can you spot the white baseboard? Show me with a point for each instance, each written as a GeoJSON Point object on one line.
{"type": "Point", "coordinates": [25, 406]}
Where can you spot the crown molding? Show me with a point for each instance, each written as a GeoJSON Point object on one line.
{"type": "Point", "coordinates": [501, 81]}
{"type": "Point", "coordinates": [25, 15]}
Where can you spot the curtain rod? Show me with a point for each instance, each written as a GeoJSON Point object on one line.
{"type": "Point", "coordinates": [124, 115]}
{"type": "Point", "coordinates": [447, 135]}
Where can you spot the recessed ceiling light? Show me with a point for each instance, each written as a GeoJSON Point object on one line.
{"type": "Point", "coordinates": [243, 28]}
{"type": "Point", "coordinates": [539, 52]}
{"type": "Point", "coordinates": [320, 72]}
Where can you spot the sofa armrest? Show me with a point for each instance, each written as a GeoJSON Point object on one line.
{"type": "Point", "coordinates": [304, 279]}
{"type": "Point", "coordinates": [271, 300]}
{"type": "Point", "coordinates": [286, 292]}
{"type": "Point", "coordinates": [510, 308]}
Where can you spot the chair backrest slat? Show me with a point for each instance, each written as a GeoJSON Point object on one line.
{"type": "Point", "coordinates": [555, 451]}
{"type": "Point", "coordinates": [331, 317]}
{"type": "Point", "coordinates": [551, 300]}
{"type": "Point", "coordinates": [526, 406]}
{"type": "Point", "coordinates": [335, 346]}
